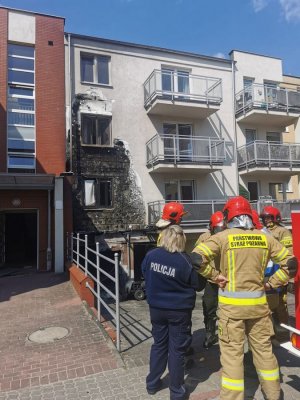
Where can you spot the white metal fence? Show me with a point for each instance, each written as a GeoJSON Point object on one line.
{"type": "Point", "coordinates": [181, 86]}
{"type": "Point", "coordinates": [261, 153]}
{"type": "Point", "coordinates": [267, 97]}
{"type": "Point", "coordinates": [89, 260]}
{"type": "Point", "coordinates": [179, 149]}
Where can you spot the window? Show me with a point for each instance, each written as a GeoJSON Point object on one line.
{"type": "Point", "coordinates": [179, 190]}
{"type": "Point", "coordinates": [174, 80]}
{"type": "Point", "coordinates": [95, 130]}
{"type": "Point", "coordinates": [21, 108]}
{"type": "Point", "coordinates": [274, 137]}
{"type": "Point", "coordinates": [95, 69]}
{"type": "Point", "coordinates": [177, 141]}
{"type": "Point", "coordinates": [250, 135]}
{"type": "Point", "coordinates": [288, 186]}
{"type": "Point", "coordinates": [98, 193]}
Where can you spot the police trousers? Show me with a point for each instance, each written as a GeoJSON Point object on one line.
{"type": "Point", "coordinates": [171, 330]}
{"type": "Point", "coordinates": [210, 302]}
{"type": "Point", "coordinates": [231, 338]}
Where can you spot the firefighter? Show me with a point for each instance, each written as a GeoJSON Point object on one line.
{"type": "Point", "coordinates": [210, 296]}
{"type": "Point", "coordinates": [272, 220]}
{"type": "Point", "coordinates": [243, 310]}
{"type": "Point", "coordinates": [172, 214]}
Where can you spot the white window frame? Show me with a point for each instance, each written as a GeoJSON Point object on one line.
{"type": "Point", "coordinates": [95, 68]}
{"type": "Point", "coordinates": [289, 186]}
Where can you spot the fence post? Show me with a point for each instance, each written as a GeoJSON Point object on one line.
{"type": "Point", "coordinates": [85, 254]}
{"type": "Point", "coordinates": [77, 241]}
{"type": "Point", "coordinates": [117, 300]}
{"type": "Point", "coordinates": [71, 248]}
{"type": "Point", "coordinates": [98, 281]}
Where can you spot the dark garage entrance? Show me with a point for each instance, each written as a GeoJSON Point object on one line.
{"type": "Point", "coordinates": [18, 238]}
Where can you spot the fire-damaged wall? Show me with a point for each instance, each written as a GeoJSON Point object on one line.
{"type": "Point", "coordinates": [103, 168]}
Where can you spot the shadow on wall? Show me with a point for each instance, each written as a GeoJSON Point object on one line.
{"type": "Point", "coordinates": [221, 131]}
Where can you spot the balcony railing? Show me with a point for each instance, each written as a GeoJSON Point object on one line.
{"type": "Point", "coordinates": [269, 154]}
{"type": "Point", "coordinates": [199, 211]}
{"type": "Point", "coordinates": [285, 207]}
{"type": "Point", "coordinates": [178, 149]}
{"type": "Point", "coordinates": [267, 98]}
{"type": "Point", "coordinates": [180, 86]}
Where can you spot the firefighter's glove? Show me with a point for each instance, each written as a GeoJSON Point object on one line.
{"type": "Point", "coordinates": [196, 260]}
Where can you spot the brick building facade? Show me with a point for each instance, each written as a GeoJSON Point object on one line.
{"type": "Point", "coordinates": [33, 207]}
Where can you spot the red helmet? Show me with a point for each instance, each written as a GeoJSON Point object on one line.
{"type": "Point", "coordinates": [173, 212]}
{"type": "Point", "coordinates": [235, 207]}
{"type": "Point", "coordinates": [256, 221]}
{"type": "Point", "coordinates": [271, 211]}
{"type": "Point", "coordinates": [217, 219]}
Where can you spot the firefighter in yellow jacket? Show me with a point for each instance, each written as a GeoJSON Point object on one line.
{"type": "Point", "coordinates": [210, 295]}
{"type": "Point", "coordinates": [271, 218]}
{"type": "Point", "coordinates": [243, 308]}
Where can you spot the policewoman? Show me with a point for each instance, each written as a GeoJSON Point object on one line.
{"type": "Point", "coordinates": [171, 284]}
{"type": "Point", "coordinates": [243, 308]}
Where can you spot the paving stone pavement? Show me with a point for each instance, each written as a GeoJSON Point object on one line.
{"type": "Point", "coordinates": [51, 301]}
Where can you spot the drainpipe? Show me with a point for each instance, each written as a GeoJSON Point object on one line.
{"type": "Point", "coordinates": [49, 251]}
{"type": "Point", "coordinates": [70, 103]}
{"type": "Point", "coordinates": [234, 124]}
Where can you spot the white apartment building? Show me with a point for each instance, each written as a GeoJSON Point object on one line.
{"type": "Point", "coordinates": [266, 112]}
{"type": "Point", "coordinates": [151, 125]}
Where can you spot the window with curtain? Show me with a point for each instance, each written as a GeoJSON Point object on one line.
{"type": "Point", "coordinates": [98, 193]}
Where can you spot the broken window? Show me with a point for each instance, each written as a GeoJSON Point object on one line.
{"type": "Point", "coordinates": [95, 69]}
{"type": "Point", "coordinates": [98, 193]}
{"type": "Point", "coordinates": [95, 130]}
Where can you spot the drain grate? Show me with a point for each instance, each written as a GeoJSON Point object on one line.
{"type": "Point", "coordinates": [48, 334]}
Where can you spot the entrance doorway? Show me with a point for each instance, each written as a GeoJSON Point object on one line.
{"type": "Point", "coordinates": [18, 238]}
{"type": "Point", "coordinates": [253, 190]}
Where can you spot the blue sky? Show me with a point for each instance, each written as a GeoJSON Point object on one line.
{"type": "Point", "coordinates": [209, 27]}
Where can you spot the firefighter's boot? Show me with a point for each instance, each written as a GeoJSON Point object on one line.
{"type": "Point", "coordinates": [210, 335]}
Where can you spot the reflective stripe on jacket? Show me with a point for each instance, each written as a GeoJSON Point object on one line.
{"type": "Point", "coordinates": [244, 255]}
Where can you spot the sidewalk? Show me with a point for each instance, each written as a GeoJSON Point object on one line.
{"type": "Point", "coordinates": [85, 364]}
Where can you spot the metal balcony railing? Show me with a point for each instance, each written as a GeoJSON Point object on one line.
{"type": "Point", "coordinates": [199, 211]}
{"type": "Point", "coordinates": [266, 97]}
{"type": "Point", "coordinates": [181, 86]}
{"type": "Point", "coordinates": [179, 149]}
{"type": "Point", "coordinates": [269, 154]}
{"type": "Point", "coordinates": [285, 207]}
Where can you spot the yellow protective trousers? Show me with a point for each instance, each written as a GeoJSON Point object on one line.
{"type": "Point", "coordinates": [232, 334]}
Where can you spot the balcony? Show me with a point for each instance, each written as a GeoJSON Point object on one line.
{"type": "Point", "coordinates": [263, 105]}
{"type": "Point", "coordinates": [262, 158]}
{"type": "Point", "coordinates": [186, 153]}
{"type": "Point", "coordinates": [180, 94]}
{"type": "Point", "coordinates": [199, 211]}
{"type": "Point", "coordinates": [285, 207]}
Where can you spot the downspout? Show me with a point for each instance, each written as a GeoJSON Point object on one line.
{"type": "Point", "coordinates": [234, 125]}
{"type": "Point", "coordinates": [49, 251]}
{"type": "Point", "coordinates": [70, 103]}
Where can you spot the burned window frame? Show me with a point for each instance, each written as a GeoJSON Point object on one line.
{"type": "Point", "coordinates": [96, 118]}
{"type": "Point", "coordinates": [98, 204]}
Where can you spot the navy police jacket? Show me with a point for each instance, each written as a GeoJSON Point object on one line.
{"type": "Point", "coordinates": [171, 282]}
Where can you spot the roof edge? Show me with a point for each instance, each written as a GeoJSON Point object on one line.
{"type": "Point", "coordinates": [31, 12]}
{"type": "Point", "coordinates": [254, 54]}
{"type": "Point", "coordinates": [148, 47]}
